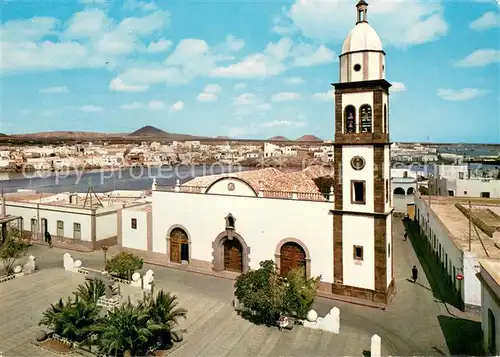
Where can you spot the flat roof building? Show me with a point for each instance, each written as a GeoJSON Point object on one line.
{"type": "Point", "coordinates": [457, 243]}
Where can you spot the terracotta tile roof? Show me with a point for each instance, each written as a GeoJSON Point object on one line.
{"type": "Point", "coordinates": [271, 179]}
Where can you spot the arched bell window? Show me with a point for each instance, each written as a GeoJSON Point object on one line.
{"type": "Point", "coordinates": [385, 119]}
{"type": "Point", "coordinates": [230, 221]}
{"type": "Point", "coordinates": [350, 119]}
{"type": "Point", "coordinates": [365, 113]}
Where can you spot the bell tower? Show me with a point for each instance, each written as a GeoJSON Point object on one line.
{"type": "Point", "coordinates": [363, 207]}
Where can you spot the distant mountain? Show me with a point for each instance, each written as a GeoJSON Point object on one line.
{"type": "Point", "coordinates": [63, 134]}
{"type": "Point", "coordinates": [309, 138]}
{"type": "Point", "coordinates": [149, 130]}
{"type": "Point", "coordinates": [223, 137]}
{"type": "Point", "coordinates": [278, 138]}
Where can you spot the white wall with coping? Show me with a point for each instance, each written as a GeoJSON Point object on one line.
{"type": "Point", "coordinates": [262, 223]}
{"type": "Point", "coordinates": [134, 238]}
{"type": "Point", "coordinates": [472, 285]}
{"type": "Point", "coordinates": [358, 230]}
{"type": "Point", "coordinates": [366, 174]}
{"type": "Point", "coordinates": [53, 214]}
{"type": "Point", "coordinates": [431, 226]}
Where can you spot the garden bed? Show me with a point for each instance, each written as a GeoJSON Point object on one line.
{"type": "Point", "coordinates": [56, 346]}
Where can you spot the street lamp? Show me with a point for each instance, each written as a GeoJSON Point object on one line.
{"type": "Point", "coordinates": [105, 250]}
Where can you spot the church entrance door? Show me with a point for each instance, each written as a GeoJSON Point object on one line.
{"type": "Point", "coordinates": [233, 255]}
{"type": "Point", "coordinates": [292, 256]}
{"type": "Point", "coordinates": [179, 246]}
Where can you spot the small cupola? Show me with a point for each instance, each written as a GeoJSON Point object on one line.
{"type": "Point", "coordinates": [362, 8]}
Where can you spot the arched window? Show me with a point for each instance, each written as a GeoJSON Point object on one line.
{"type": "Point", "coordinates": [385, 119]}
{"type": "Point", "coordinates": [365, 113]}
{"type": "Point", "coordinates": [350, 119]}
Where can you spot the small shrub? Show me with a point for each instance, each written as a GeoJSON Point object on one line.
{"type": "Point", "coordinates": [124, 264]}
{"type": "Point", "coordinates": [12, 249]}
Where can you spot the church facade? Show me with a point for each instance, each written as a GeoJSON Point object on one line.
{"type": "Point", "coordinates": [226, 224]}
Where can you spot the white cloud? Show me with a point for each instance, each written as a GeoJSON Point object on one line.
{"type": "Point", "coordinates": [399, 23]}
{"type": "Point", "coordinates": [285, 96]}
{"type": "Point", "coordinates": [89, 39]}
{"type": "Point", "coordinates": [240, 86]}
{"type": "Point", "coordinates": [460, 94]}
{"type": "Point", "coordinates": [207, 97]}
{"type": "Point", "coordinates": [117, 85]}
{"type": "Point", "coordinates": [209, 94]}
{"type": "Point", "coordinates": [213, 88]}
{"type": "Point", "coordinates": [397, 87]}
{"type": "Point", "coordinates": [54, 90]}
{"type": "Point", "coordinates": [140, 5]}
{"type": "Point", "coordinates": [294, 80]}
{"type": "Point", "coordinates": [486, 21]}
{"type": "Point", "coordinates": [156, 105]}
{"type": "Point", "coordinates": [324, 96]}
{"type": "Point", "coordinates": [132, 106]}
{"type": "Point", "coordinates": [287, 123]}
{"type": "Point", "coordinates": [159, 46]}
{"type": "Point", "coordinates": [177, 107]}
{"type": "Point", "coordinates": [480, 58]}
{"type": "Point", "coordinates": [90, 108]}
{"type": "Point", "coordinates": [307, 56]}
{"type": "Point", "coordinates": [234, 44]}
{"type": "Point", "coordinates": [276, 58]}
{"type": "Point", "coordinates": [246, 99]}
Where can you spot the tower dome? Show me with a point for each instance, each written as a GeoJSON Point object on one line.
{"type": "Point", "coordinates": [362, 37]}
{"type": "Point", "coordinates": [362, 57]}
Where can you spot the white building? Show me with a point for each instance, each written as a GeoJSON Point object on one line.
{"type": "Point", "coordinates": [75, 221]}
{"type": "Point", "coordinates": [473, 187]}
{"type": "Point", "coordinates": [490, 305]}
{"type": "Point", "coordinates": [444, 222]}
{"type": "Point", "coordinates": [227, 224]}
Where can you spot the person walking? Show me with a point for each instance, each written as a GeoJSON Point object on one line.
{"type": "Point", "coordinates": [414, 274]}
{"type": "Point", "coordinates": [406, 236]}
{"type": "Point", "coordinates": [48, 239]}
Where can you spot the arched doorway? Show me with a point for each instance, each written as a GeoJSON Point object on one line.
{"type": "Point", "coordinates": [292, 256]}
{"type": "Point", "coordinates": [410, 191]}
{"type": "Point", "coordinates": [179, 246]}
{"type": "Point", "coordinates": [399, 191]}
{"type": "Point", "coordinates": [233, 255]}
{"type": "Point", "coordinates": [492, 343]}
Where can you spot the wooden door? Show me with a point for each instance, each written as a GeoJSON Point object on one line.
{"type": "Point", "coordinates": [292, 257]}
{"type": "Point", "coordinates": [233, 255]}
{"type": "Point", "coordinates": [177, 238]}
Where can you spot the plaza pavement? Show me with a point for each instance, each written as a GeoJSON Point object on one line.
{"type": "Point", "coordinates": [409, 326]}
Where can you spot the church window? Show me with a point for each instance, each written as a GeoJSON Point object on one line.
{"type": "Point", "coordinates": [365, 113]}
{"type": "Point", "coordinates": [133, 223]}
{"type": "Point", "coordinates": [350, 119]}
{"type": "Point", "coordinates": [389, 250]}
{"type": "Point", "coordinates": [385, 119]}
{"type": "Point", "coordinates": [357, 67]}
{"type": "Point", "coordinates": [358, 192]}
{"type": "Point", "coordinates": [357, 252]}
{"type": "Point", "coordinates": [230, 221]}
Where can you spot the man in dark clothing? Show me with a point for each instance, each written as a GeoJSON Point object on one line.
{"type": "Point", "coordinates": [414, 274]}
{"type": "Point", "coordinates": [48, 239]}
{"type": "Point", "coordinates": [406, 236]}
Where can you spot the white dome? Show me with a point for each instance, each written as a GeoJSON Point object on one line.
{"type": "Point", "coordinates": [362, 37]}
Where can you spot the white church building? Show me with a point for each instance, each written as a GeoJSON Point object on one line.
{"type": "Point", "coordinates": [226, 224]}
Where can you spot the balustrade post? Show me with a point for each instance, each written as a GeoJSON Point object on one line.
{"type": "Point", "coordinates": [331, 197]}
{"type": "Point", "coordinates": [177, 186]}
{"type": "Point", "coordinates": [294, 193]}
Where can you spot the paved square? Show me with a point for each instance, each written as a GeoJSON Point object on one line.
{"type": "Point", "coordinates": [213, 327]}
{"type": "Point", "coordinates": [410, 326]}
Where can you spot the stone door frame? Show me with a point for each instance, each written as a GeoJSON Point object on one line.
{"type": "Point", "coordinates": [218, 250]}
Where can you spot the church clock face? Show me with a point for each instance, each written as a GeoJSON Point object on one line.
{"type": "Point", "coordinates": [358, 162]}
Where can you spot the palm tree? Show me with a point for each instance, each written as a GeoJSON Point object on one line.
{"type": "Point", "coordinates": [126, 331]}
{"type": "Point", "coordinates": [164, 313]}
{"type": "Point", "coordinates": [73, 320]}
{"type": "Point", "coordinates": [92, 290]}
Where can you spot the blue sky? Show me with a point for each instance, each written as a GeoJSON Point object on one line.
{"type": "Point", "coordinates": [245, 69]}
